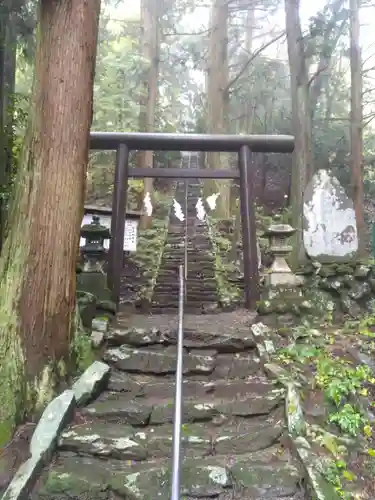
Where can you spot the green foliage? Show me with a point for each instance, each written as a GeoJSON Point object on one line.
{"type": "Point", "coordinates": [117, 81]}
{"type": "Point", "coordinates": [338, 379]}
{"type": "Point", "coordinates": [311, 362]}
{"type": "Point", "coordinates": [336, 472]}
{"type": "Point", "coordinates": [81, 349]}
{"type": "Point", "coordinates": [348, 419]}
{"type": "Point", "coordinates": [298, 352]}
{"type": "Point", "coordinates": [82, 352]}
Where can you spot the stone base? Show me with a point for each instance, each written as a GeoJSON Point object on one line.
{"type": "Point", "coordinates": [283, 300]}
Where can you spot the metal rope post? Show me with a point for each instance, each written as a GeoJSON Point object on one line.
{"type": "Point", "coordinates": [177, 423]}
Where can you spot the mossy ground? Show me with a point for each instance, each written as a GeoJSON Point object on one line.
{"type": "Point", "coordinates": [225, 268]}
{"type": "Point", "coordinates": [150, 246]}
{"type": "Point", "coordinates": [337, 393]}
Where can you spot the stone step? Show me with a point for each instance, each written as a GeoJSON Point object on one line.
{"type": "Point", "coordinates": [264, 475]}
{"type": "Point", "coordinates": [195, 235]}
{"type": "Point", "coordinates": [203, 330]}
{"type": "Point", "coordinates": [162, 361]}
{"type": "Point", "coordinates": [193, 293]}
{"type": "Point", "coordinates": [143, 386]}
{"type": "Point", "coordinates": [197, 308]}
{"type": "Point", "coordinates": [196, 295]}
{"type": "Point", "coordinates": [121, 407]}
{"type": "Point", "coordinates": [194, 255]}
{"type": "Point", "coordinates": [175, 255]}
{"type": "Point", "coordinates": [195, 274]}
{"type": "Point", "coordinates": [222, 342]}
{"type": "Point", "coordinates": [124, 442]}
{"type": "Point", "coordinates": [196, 232]}
{"type": "Point", "coordinates": [169, 285]}
{"type": "Point", "coordinates": [197, 282]}
{"type": "Point", "coordinates": [172, 250]}
{"type": "Point", "coordinates": [206, 294]}
{"type": "Point", "coordinates": [205, 282]}
{"type": "Point", "coordinates": [205, 269]}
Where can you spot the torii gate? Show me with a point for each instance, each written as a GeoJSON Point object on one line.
{"type": "Point", "coordinates": [244, 145]}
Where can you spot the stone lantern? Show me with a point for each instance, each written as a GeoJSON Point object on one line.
{"type": "Point", "coordinates": [280, 275]}
{"type": "Point", "coordinates": [93, 296]}
{"type": "Point", "coordinates": [93, 251]}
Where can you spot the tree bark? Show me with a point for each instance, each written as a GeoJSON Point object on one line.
{"type": "Point", "coordinates": [7, 82]}
{"type": "Point", "coordinates": [356, 136]}
{"type": "Point", "coordinates": [218, 97]}
{"type": "Point", "coordinates": [3, 146]}
{"type": "Point", "coordinates": [150, 39]}
{"type": "Point", "coordinates": [37, 269]}
{"type": "Point", "coordinates": [302, 161]}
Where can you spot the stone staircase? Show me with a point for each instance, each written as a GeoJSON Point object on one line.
{"type": "Point", "coordinates": [120, 445]}
{"type": "Point", "coordinates": [201, 291]}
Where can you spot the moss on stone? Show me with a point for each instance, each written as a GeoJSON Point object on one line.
{"type": "Point", "coordinates": [12, 385]}
{"type": "Point", "coordinates": [265, 306]}
{"type": "Point", "coordinates": [228, 290]}
{"type": "Point", "coordinates": [81, 348]}
{"type": "Point", "coordinates": [58, 483]}
{"type": "Point", "coordinates": [345, 269]}
{"type": "Point", "coordinates": [305, 270]}
{"type": "Point", "coordinates": [83, 352]}
{"type": "Point", "coordinates": [327, 271]}
{"type": "Point", "coordinates": [149, 254]}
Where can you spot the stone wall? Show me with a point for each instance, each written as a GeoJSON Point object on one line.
{"type": "Point", "coordinates": [342, 288]}
{"type": "Point", "coordinates": [331, 292]}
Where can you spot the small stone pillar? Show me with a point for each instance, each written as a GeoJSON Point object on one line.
{"type": "Point", "coordinates": [280, 275]}
{"type": "Point", "coordinates": [282, 293]}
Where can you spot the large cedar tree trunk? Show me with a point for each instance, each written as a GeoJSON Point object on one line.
{"type": "Point", "coordinates": [150, 40]}
{"type": "Point", "coordinates": [38, 284]}
{"type": "Point", "coordinates": [302, 160]}
{"type": "Point", "coordinates": [356, 135]}
{"type": "Point", "coordinates": [218, 97]}
{"type": "Point", "coordinates": [7, 89]}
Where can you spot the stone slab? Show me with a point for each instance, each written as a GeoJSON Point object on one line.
{"type": "Point", "coordinates": [220, 341]}
{"type": "Point", "coordinates": [43, 442]}
{"type": "Point", "coordinates": [157, 362]}
{"type": "Point", "coordinates": [128, 443]}
{"type": "Point", "coordinates": [269, 473]}
{"type": "Point", "coordinates": [118, 407]}
{"type": "Point", "coordinates": [149, 387]}
{"type": "Point", "coordinates": [91, 382]}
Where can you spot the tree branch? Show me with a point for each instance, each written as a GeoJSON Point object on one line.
{"type": "Point", "coordinates": [248, 62]}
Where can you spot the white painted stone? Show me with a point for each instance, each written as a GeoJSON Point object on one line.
{"type": "Point", "coordinates": [330, 228]}
{"type": "Point", "coordinates": [97, 338]}
{"type": "Point", "coordinates": [260, 329]}
{"type": "Point", "coordinates": [100, 324]}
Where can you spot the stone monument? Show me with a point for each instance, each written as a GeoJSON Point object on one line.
{"type": "Point", "coordinates": [329, 225]}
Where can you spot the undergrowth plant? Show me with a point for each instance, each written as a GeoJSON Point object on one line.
{"type": "Point", "coordinates": [342, 384]}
